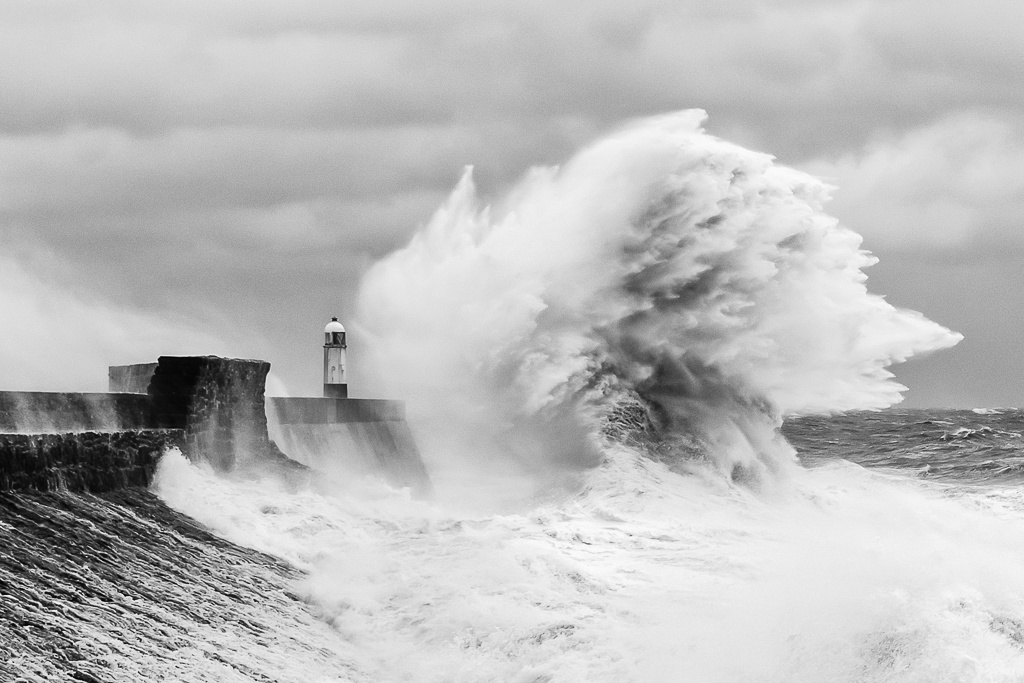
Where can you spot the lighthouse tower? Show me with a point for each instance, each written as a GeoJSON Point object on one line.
{"type": "Point", "coordinates": [335, 384]}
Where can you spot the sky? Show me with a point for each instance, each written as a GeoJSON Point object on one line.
{"type": "Point", "coordinates": [214, 176]}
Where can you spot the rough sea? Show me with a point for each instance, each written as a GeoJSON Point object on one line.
{"type": "Point", "coordinates": [981, 446]}
{"type": "Point", "coordinates": [596, 368]}
{"type": "Point", "coordinates": [893, 552]}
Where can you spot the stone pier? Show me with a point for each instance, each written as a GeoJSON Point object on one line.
{"type": "Point", "coordinates": [214, 410]}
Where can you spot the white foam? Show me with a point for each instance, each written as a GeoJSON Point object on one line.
{"type": "Point", "coordinates": [666, 271]}
{"type": "Point", "coordinates": [650, 575]}
{"type": "Point", "coordinates": [659, 260]}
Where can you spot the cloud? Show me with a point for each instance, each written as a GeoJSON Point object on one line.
{"type": "Point", "coordinates": [938, 38]}
{"type": "Point", "coordinates": [56, 340]}
{"type": "Point", "coordinates": [97, 171]}
{"type": "Point", "coordinates": [246, 160]}
{"type": "Point", "coordinates": [769, 69]}
{"type": "Point", "coordinates": [225, 216]}
{"type": "Point", "coordinates": [955, 184]}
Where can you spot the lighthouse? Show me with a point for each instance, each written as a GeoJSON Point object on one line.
{"type": "Point", "coordinates": [335, 384]}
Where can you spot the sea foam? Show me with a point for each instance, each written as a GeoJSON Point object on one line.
{"type": "Point", "coordinates": [597, 366]}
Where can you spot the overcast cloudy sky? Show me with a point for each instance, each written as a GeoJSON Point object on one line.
{"type": "Point", "coordinates": [213, 176]}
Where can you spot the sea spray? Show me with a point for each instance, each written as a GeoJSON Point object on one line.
{"type": "Point", "coordinates": [659, 264]}
{"type": "Point", "coordinates": [628, 331]}
{"type": "Point", "coordinates": [647, 575]}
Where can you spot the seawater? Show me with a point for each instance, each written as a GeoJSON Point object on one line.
{"type": "Point", "coordinates": [983, 445]}
{"type": "Point", "coordinates": [597, 366]}
{"type": "Point", "coordinates": [892, 552]}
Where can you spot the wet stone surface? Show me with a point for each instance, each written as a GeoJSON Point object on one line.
{"type": "Point", "coordinates": [219, 402]}
{"type": "Point", "coordinates": [119, 587]}
{"type": "Point", "coordinates": [83, 461]}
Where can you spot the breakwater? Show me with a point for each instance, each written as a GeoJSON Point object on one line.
{"type": "Point", "coordinates": [350, 438]}
{"type": "Point", "coordinates": [50, 411]}
{"type": "Point", "coordinates": [214, 410]}
{"type": "Point", "coordinates": [209, 407]}
{"type": "Point", "coordinates": [100, 581]}
{"type": "Point", "coordinates": [219, 403]}
{"type": "Point", "coordinates": [83, 461]}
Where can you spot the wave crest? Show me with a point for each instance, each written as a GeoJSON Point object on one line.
{"type": "Point", "coordinates": [663, 283]}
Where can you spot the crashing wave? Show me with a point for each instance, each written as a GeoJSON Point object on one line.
{"type": "Point", "coordinates": [663, 286]}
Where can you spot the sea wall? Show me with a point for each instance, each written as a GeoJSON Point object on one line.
{"type": "Point", "coordinates": [133, 379]}
{"type": "Point", "coordinates": [219, 402]}
{"type": "Point", "coordinates": [45, 411]}
{"type": "Point", "coordinates": [83, 461]}
{"type": "Point", "coordinates": [214, 410]}
{"type": "Point", "coordinates": [209, 407]}
{"type": "Point", "coordinates": [289, 410]}
{"type": "Point", "coordinates": [350, 438]}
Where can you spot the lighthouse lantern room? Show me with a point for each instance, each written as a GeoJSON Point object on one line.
{"type": "Point", "coordinates": [335, 384]}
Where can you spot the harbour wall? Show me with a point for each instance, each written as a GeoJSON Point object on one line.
{"type": "Point", "coordinates": [350, 438]}
{"type": "Point", "coordinates": [215, 411]}
{"type": "Point", "coordinates": [47, 411]}
{"type": "Point", "coordinates": [83, 461]}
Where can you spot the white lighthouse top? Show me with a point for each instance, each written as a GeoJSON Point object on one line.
{"type": "Point", "coordinates": [334, 326]}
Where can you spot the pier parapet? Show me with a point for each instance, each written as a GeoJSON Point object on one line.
{"type": "Point", "coordinates": [214, 410]}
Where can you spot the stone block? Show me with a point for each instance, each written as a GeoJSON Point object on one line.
{"type": "Point", "coordinates": [83, 461]}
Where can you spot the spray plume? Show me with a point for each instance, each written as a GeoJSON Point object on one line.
{"type": "Point", "coordinates": [663, 283]}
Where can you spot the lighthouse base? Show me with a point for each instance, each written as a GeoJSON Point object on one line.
{"type": "Point", "coordinates": [335, 391]}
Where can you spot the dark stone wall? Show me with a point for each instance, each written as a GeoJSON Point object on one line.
{"type": "Point", "coordinates": [45, 411]}
{"type": "Point", "coordinates": [333, 411]}
{"type": "Point", "coordinates": [393, 445]}
{"type": "Point", "coordinates": [130, 379]}
{"type": "Point", "coordinates": [360, 436]}
{"type": "Point", "coordinates": [219, 403]}
{"type": "Point", "coordinates": [83, 461]}
{"type": "Point", "coordinates": [384, 448]}
{"type": "Point", "coordinates": [212, 408]}
{"type": "Point", "coordinates": [335, 390]}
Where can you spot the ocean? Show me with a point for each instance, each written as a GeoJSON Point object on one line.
{"type": "Point", "coordinates": [979, 446]}
{"type": "Point", "coordinates": [651, 388]}
{"type": "Point", "coordinates": [891, 553]}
